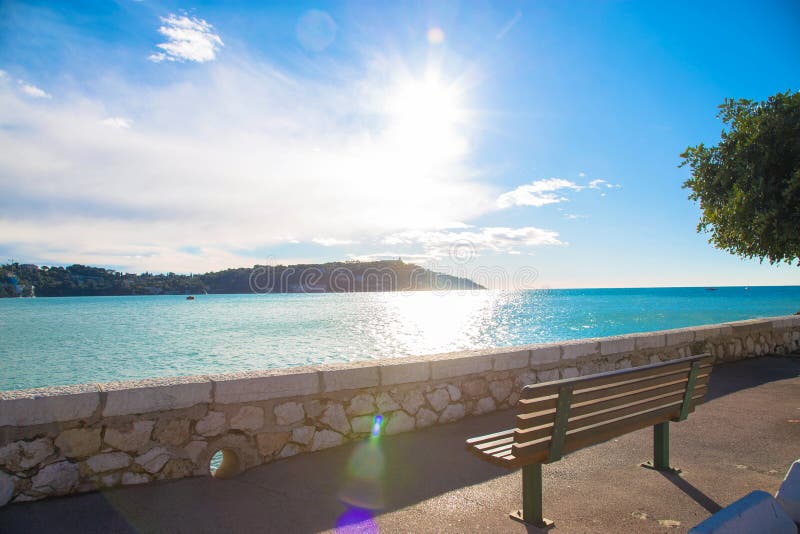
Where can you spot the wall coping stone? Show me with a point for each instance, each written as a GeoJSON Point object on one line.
{"type": "Point", "coordinates": [353, 375]}
{"type": "Point", "coordinates": [250, 386]}
{"type": "Point", "coordinates": [66, 403]}
{"type": "Point", "coordinates": [155, 394]}
{"type": "Point", "coordinates": [48, 405]}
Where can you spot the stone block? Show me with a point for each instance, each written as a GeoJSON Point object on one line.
{"type": "Point", "coordinates": [271, 442]}
{"type": "Point", "coordinates": [291, 449]}
{"type": "Point", "coordinates": [404, 372]}
{"type": "Point", "coordinates": [701, 333]}
{"type": "Point", "coordinates": [438, 399]}
{"type": "Point", "coordinates": [289, 413]}
{"type": "Point", "coordinates": [569, 372]}
{"type": "Point", "coordinates": [755, 512]}
{"type": "Point", "coordinates": [680, 336]}
{"type": "Point", "coordinates": [454, 392]}
{"type": "Point", "coordinates": [545, 354]}
{"type": "Point", "coordinates": [48, 405]}
{"type": "Point", "coordinates": [361, 405]}
{"type": "Point", "coordinates": [248, 418]}
{"type": "Point", "coordinates": [212, 424]}
{"type": "Point", "coordinates": [153, 460]}
{"type": "Point", "coordinates": [7, 485]}
{"type": "Point", "coordinates": [265, 385]}
{"type": "Point", "coordinates": [548, 376]}
{"type": "Point", "coordinates": [335, 418]}
{"type": "Point", "coordinates": [109, 461]}
{"type": "Point", "coordinates": [485, 405]}
{"type": "Point", "coordinates": [511, 360]}
{"type": "Point", "coordinates": [362, 424]}
{"type": "Point", "coordinates": [325, 439]}
{"type": "Point", "coordinates": [460, 365]}
{"type": "Point", "coordinates": [413, 400]}
{"type": "Point", "coordinates": [303, 434]}
{"type": "Point", "coordinates": [195, 449]}
{"type": "Point", "coordinates": [500, 389]}
{"type": "Point", "coordinates": [425, 418]}
{"type": "Point", "coordinates": [788, 495]}
{"type": "Point", "coordinates": [78, 442]}
{"type": "Point", "coordinates": [475, 388]}
{"type": "Point", "coordinates": [655, 340]}
{"type": "Point", "coordinates": [386, 403]}
{"type": "Point", "coordinates": [130, 438]}
{"type": "Point", "coordinates": [172, 431]}
{"type": "Point", "coordinates": [398, 422]}
{"type": "Point", "coordinates": [579, 349]}
{"type": "Point", "coordinates": [783, 322]}
{"type": "Point", "coordinates": [59, 478]}
{"type": "Point", "coordinates": [349, 376]}
{"type": "Point", "coordinates": [617, 345]}
{"type": "Point", "coordinates": [22, 455]}
{"type": "Point", "coordinates": [155, 395]}
{"type": "Point", "coordinates": [453, 412]}
{"type": "Point", "coordinates": [749, 326]}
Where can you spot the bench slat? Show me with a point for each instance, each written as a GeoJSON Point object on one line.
{"type": "Point", "coordinates": [551, 388]}
{"type": "Point", "coordinates": [528, 434]}
{"type": "Point", "coordinates": [583, 405]}
{"type": "Point", "coordinates": [537, 450]}
{"type": "Point", "coordinates": [488, 445]}
{"type": "Point", "coordinates": [489, 437]}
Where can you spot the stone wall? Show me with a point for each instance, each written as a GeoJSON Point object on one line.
{"type": "Point", "coordinates": [62, 440]}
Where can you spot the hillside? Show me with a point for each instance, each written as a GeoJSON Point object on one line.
{"type": "Point", "coordinates": [80, 280]}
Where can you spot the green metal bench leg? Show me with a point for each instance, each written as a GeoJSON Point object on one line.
{"type": "Point", "coordinates": [531, 512]}
{"type": "Point", "coordinates": [661, 449]}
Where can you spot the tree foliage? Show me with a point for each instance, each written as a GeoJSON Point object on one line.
{"type": "Point", "coordinates": [748, 185]}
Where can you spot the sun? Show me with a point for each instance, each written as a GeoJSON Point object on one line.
{"type": "Point", "coordinates": [427, 102]}
{"type": "Point", "coordinates": [428, 115]}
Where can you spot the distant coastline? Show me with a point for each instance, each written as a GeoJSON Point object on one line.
{"type": "Point", "coordinates": [29, 280]}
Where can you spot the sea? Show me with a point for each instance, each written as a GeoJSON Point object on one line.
{"type": "Point", "coordinates": [73, 340]}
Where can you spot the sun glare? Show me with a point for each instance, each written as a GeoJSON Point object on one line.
{"type": "Point", "coordinates": [427, 114]}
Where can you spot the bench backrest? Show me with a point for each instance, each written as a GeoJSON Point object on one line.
{"type": "Point", "coordinates": [566, 415]}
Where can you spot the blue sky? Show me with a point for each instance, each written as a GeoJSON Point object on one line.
{"type": "Point", "coordinates": [525, 143]}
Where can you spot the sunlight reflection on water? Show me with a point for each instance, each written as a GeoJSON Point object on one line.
{"type": "Point", "coordinates": [51, 341]}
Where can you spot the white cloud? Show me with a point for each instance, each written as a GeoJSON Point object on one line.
{"type": "Point", "coordinates": [538, 193]}
{"type": "Point", "coordinates": [582, 174]}
{"type": "Point", "coordinates": [225, 162]}
{"type": "Point", "coordinates": [598, 184]}
{"type": "Point", "coordinates": [33, 91]}
{"type": "Point", "coordinates": [438, 245]}
{"type": "Point", "coordinates": [543, 192]}
{"type": "Point", "coordinates": [188, 39]}
{"type": "Point", "coordinates": [332, 242]}
{"type": "Point", "coordinates": [117, 122]}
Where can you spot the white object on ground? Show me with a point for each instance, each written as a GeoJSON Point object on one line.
{"type": "Point", "coordinates": [757, 511]}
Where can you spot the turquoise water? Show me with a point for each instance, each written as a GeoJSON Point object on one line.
{"type": "Point", "coordinates": [55, 341]}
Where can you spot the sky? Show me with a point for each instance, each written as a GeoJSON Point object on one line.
{"type": "Point", "coordinates": [523, 144]}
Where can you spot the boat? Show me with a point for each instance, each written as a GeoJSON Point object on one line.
{"type": "Point", "coordinates": [190, 297]}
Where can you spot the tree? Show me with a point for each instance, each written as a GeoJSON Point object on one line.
{"type": "Point", "coordinates": [749, 184]}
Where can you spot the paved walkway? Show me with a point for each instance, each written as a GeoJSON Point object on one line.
{"type": "Point", "coordinates": [743, 439]}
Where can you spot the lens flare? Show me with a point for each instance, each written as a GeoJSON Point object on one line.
{"type": "Point", "coordinates": [356, 520]}
{"type": "Point", "coordinates": [363, 487]}
{"type": "Point", "coordinates": [435, 35]}
{"type": "Point", "coordinates": [376, 426]}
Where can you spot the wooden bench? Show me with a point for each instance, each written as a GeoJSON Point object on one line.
{"type": "Point", "coordinates": [556, 418]}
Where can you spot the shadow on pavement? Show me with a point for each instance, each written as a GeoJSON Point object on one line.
{"type": "Point", "coordinates": [313, 492]}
